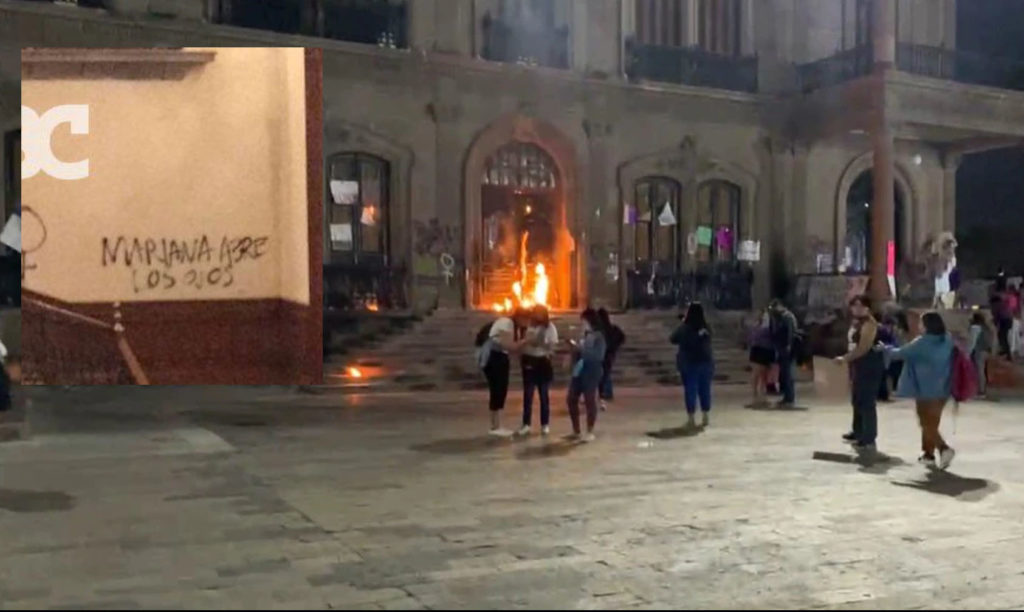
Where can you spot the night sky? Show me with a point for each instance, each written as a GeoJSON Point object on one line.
{"type": "Point", "coordinates": [990, 186]}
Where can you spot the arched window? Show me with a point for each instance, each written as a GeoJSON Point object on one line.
{"type": "Point", "coordinates": [521, 165]}
{"type": "Point", "coordinates": [359, 215]}
{"type": "Point", "coordinates": [856, 255]}
{"type": "Point", "coordinates": [718, 221]}
{"type": "Point", "coordinates": [657, 221]}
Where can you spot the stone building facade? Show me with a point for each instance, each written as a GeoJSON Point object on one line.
{"type": "Point", "coordinates": [749, 121]}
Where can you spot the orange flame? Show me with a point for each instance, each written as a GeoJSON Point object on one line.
{"type": "Point", "coordinates": [355, 372]}
{"type": "Point", "coordinates": [529, 289]}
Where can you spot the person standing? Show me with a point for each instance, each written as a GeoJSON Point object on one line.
{"type": "Point", "coordinates": [494, 361]}
{"type": "Point", "coordinates": [979, 347]}
{"type": "Point", "coordinates": [886, 337]}
{"type": "Point", "coordinates": [540, 341]}
{"type": "Point", "coordinates": [867, 371]}
{"type": "Point", "coordinates": [762, 357]}
{"type": "Point", "coordinates": [586, 374]}
{"type": "Point", "coordinates": [783, 332]}
{"type": "Point", "coordinates": [615, 338]}
{"type": "Point", "coordinates": [928, 379]}
{"type": "Point", "coordinates": [695, 362]}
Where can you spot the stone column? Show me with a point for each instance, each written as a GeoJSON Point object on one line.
{"type": "Point", "coordinates": [601, 219]}
{"type": "Point", "coordinates": [883, 206]}
{"type": "Point", "coordinates": [950, 164]}
{"type": "Point", "coordinates": [422, 19]}
{"type": "Point", "coordinates": [596, 34]}
{"type": "Point", "coordinates": [447, 112]}
{"type": "Point", "coordinates": [454, 26]}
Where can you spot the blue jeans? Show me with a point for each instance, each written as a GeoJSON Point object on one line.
{"type": "Point", "coordinates": [786, 383]}
{"type": "Point", "coordinates": [545, 403]}
{"type": "Point", "coordinates": [697, 385]}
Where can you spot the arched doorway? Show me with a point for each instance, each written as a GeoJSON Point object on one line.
{"type": "Point", "coordinates": [522, 221]}
{"type": "Point", "coordinates": [856, 254]}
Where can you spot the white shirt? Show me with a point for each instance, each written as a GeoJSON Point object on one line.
{"type": "Point", "coordinates": [541, 346]}
{"type": "Point", "coordinates": [504, 325]}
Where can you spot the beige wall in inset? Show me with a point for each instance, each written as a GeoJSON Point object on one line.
{"type": "Point", "coordinates": [219, 154]}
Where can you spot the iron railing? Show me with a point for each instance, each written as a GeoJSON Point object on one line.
{"type": "Point", "coordinates": [69, 348]}
{"type": "Point", "coordinates": [520, 44]}
{"type": "Point", "coordinates": [690, 66]}
{"type": "Point", "coordinates": [960, 66]}
{"type": "Point", "coordinates": [350, 286]}
{"type": "Point", "coordinates": [835, 69]}
{"type": "Point", "coordinates": [722, 286]}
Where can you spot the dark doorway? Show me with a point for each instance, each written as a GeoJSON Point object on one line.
{"type": "Point", "coordinates": [857, 245]}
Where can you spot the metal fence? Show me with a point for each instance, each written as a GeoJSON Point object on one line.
{"type": "Point", "coordinates": [690, 66]}
{"type": "Point", "coordinates": [349, 286]}
{"type": "Point", "coordinates": [835, 69]}
{"type": "Point", "coordinates": [517, 44]}
{"type": "Point", "coordinates": [724, 287]}
{"type": "Point", "coordinates": [960, 66]}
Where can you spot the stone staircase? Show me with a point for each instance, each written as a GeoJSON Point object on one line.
{"type": "Point", "coordinates": [437, 353]}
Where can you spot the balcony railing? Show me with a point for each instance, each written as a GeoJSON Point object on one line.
{"type": "Point", "coordinates": [960, 66]}
{"type": "Point", "coordinates": [724, 286]}
{"type": "Point", "coordinates": [375, 22]}
{"type": "Point", "coordinates": [690, 66]}
{"type": "Point", "coordinates": [518, 44]}
{"type": "Point", "coordinates": [835, 69]}
{"type": "Point", "coordinates": [370, 287]}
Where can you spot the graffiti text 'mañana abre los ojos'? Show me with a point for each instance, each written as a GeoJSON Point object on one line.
{"type": "Point", "coordinates": [161, 264]}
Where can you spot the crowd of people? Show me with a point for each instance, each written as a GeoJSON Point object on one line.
{"type": "Point", "coordinates": [881, 356]}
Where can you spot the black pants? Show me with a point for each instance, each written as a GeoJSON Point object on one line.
{"type": "Point", "coordinates": [866, 378]}
{"type": "Point", "coordinates": [1003, 326]}
{"type": "Point", "coordinates": [5, 389]}
{"type": "Point", "coordinates": [496, 372]}
{"type": "Point", "coordinates": [890, 380]}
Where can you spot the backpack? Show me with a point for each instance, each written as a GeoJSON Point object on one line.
{"type": "Point", "coordinates": [965, 378]}
{"type": "Point", "coordinates": [483, 334]}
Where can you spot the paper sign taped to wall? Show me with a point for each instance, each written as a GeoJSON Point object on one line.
{"type": "Point", "coordinates": [704, 235]}
{"type": "Point", "coordinates": [342, 233]}
{"type": "Point", "coordinates": [11, 236]}
{"type": "Point", "coordinates": [750, 250]}
{"type": "Point", "coordinates": [629, 215]}
{"type": "Point", "coordinates": [666, 217]}
{"type": "Point", "coordinates": [345, 192]}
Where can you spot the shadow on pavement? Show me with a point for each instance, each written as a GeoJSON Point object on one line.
{"type": "Point", "coordinates": [461, 446]}
{"type": "Point", "coordinates": [672, 433]}
{"type": "Point", "coordinates": [774, 408]}
{"type": "Point", "coordinates": [19, 500]}
{"type": "Point", "coordinates": [952, 485]}
{"type": "Point", "coordinates": [875, 463]}
{"type": "Point", "coordinates": [548, 450]}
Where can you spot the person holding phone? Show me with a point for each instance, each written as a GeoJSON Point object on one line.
{"type": "Point", "coordinates": [588, 353]}
{"type": "Point", "coordinates": [695, 362]}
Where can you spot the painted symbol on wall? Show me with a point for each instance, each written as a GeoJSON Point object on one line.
{"type": "Point", "coordinates": [447, 267]}
{"type": "Point", "coordinates": [33, 233]}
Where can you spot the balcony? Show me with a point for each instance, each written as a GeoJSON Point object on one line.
{"type": "Point", "coordinates": [530, 46]}
{"type": "Point", "coordinates": [690, 66]}
{"type": "Point", "coordinates": [835, 69]}
{"type": "Point", "coordinates": [960, 66]}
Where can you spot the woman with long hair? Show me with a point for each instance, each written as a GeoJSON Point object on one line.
{"type": "Point", "coordinates": [586, 374]}
{"type": "Point", "coordinates": [540, 341]}
{"type": "Point", "coordinates": [928, 379]}
{"type": "Point", "coordinates": [695, 362]}
{"type": "Point", "coordinates": [867, 371]}
{"type": "Point", "coordinates": [979, 347]}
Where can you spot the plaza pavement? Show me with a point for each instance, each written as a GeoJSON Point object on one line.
{"type": "Point", "coordinates": [267, 498]}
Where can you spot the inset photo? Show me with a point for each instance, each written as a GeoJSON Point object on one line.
{"type": "Point", "coordinates": [170, 216]}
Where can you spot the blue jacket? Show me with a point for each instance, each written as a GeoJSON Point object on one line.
{"type": "Point", "coordinates": [589, 367]}
{"type": "Point", "coordinates": [928, 369]}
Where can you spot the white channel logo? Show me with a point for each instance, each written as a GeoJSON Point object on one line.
{"type": "Point", "coordinates": [36, 133]}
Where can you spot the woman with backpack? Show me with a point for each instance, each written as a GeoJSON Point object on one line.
{"type": "Point", "coordinates": [495, 341]}
{"type": "Point", "coordinates": [928, 379]}
{"type": "Point", "coordinates": [979, 347]}
{"type": "Point", "coordinates": [586, 373]}
{"type": "Point", "coordinates": [695, 362]}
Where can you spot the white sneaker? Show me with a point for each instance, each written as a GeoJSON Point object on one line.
{"type": "Point", "coordinates": [704, 420]}
{"type": "Point", "coordinates": [545, 430]}
{"type": "Point", "coordinates": [604, 406]}
{"type": "Point", "coordinates": [500, 433]}
{"type": "Point", "coordinates": [523, 431]}
{"type": "Point", "coordinates": [588, 437]}
{"type": "Point", "coordinates": [946, 457]}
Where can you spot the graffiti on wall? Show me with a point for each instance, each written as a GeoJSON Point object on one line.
{"type": "Point", "coordinates": [199, 263]}
{"type": "Point", "coordinates": [436, 247]}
